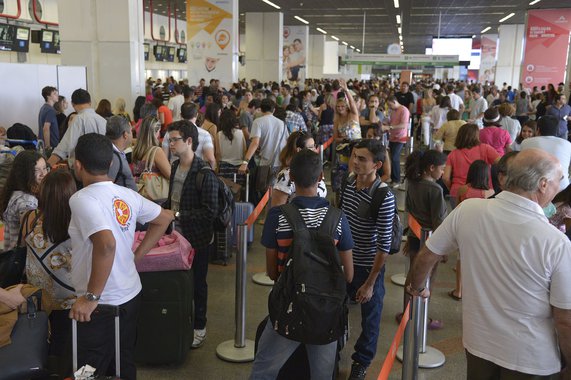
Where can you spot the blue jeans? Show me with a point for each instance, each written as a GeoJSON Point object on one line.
{"type": "Point", "coordinates": [274, 350]}
{"type": "Point", "coordinates": [366, 346]}
{"type": "Point", "coordinates": [395, 148]}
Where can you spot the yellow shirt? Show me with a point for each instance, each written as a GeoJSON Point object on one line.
{"type": "Point", "coordinates": [448, 133]}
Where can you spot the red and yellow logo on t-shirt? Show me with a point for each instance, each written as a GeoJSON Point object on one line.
{"type": "Point", "coordinates": [122, 212]}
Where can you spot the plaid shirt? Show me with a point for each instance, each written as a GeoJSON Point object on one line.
{"type": "Point", "coordinates": [197, 209]}
{"type": "Point", "coordinates": [294, 122]}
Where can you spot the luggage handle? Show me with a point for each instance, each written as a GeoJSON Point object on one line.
{"type": "Point", "coordinates": [247, 186]}
{"type": "Point", "coordinates": [104, 308]}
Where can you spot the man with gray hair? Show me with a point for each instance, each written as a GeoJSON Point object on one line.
{"type": "Point", "coordinates": [119, 132]}
{"type": "Point", "coordinates": [516, 303]}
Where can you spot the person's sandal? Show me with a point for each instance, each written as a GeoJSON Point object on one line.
{"type": "Point", "coordinates": [454, 296]}
{"type": "Point", "coordinates": [435, 324]}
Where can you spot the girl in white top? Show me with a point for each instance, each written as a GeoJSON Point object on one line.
{"type": "Point", "coordinates": [284, 189]}
{"type": "Point", "coordinates": [438, 113]}
{"type": "Point", "coordinates": [230, 144]}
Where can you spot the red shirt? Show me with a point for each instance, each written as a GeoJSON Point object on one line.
{"type": "Point", "coordinates": [168, 117]}
{"type": "Point", "coordinates": [496, 137]}
{"type": "Point", "coordinates": [461, 159]}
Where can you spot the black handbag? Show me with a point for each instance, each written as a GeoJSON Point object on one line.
{"type": "Point", "coordinates": [13, 262]}
{"type": "Point", "coordinates": [26, 357]}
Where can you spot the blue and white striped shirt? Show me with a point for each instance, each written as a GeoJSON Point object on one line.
{"type": "Point", "coordinates": [369, 235]}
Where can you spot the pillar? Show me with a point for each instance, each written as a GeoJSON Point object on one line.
{"type": "Point", "coordinates": [106, 36]}
{"type": "Point", "coordinates": [316, 51]}
{"type": "Point", "coordinates": [510, 53]}
{"type": "Point", "coordinates": [264, 44]}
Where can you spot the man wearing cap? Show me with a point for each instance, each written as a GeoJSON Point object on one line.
{"type": "Point", "coordinates": [86, 121]}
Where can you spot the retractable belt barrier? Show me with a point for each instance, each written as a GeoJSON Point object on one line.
{"type": "Point", "coordinates": [391, 355]}
{"type": "Point", "coordinates": [324, 146]}
{"type": "Point", "coordinates": [240, 350]}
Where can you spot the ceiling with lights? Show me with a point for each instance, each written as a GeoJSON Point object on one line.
{"type": "Point", "coordinates": [370, 26]}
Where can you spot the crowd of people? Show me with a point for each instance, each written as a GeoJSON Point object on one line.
{"type": "Point", "coordinates": [76, 205]}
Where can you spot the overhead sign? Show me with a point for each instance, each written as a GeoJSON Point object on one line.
{"type": "Point", "coordinates": [403, 59]}
{"type": "Point", "coordinates": [546, 47]}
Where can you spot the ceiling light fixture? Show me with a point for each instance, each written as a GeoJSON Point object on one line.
{"type": "Point", "coordinates": [272, 4]}
{"type": "Point", "coordinates": [473, 36]}
{"type": "Point", "coordinates": [335, 38]}
{"type": "Point", "coordinates": [301, 19]}
{"type": "Point", "coordinates": [352, 47]}
{"type": "Point", "coordinates": [400, 37]}
{"type": "Point", "coordinates": [507, 17]}
{"type": "Point", "coordinates": [534, 2]}
{"type": "Point", "coordinates": [398, 19]}
{"type": "Point", "coordinates": [396, 3]}
{"type": "Point", "coordinates": [321, 30]}
{"type": "Point", "coordinates": [400, 30]}
{"type": "Point", "coordinates": [485, 30]}
{"type": "Point", "coordinates": [344, 43]}
{"type": "Point", "coordinates": [357, 50]}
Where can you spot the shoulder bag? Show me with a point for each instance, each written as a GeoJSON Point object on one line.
{"type": "Point", "coordinates": [152, 185]}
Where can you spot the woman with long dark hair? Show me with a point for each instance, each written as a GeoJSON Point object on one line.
{"type": "Point", "coordinates": [212, 120]}
{"type": "Point", "coordinates": [230, 144]}
{"type": "Point", "coordinates": [19, 194]}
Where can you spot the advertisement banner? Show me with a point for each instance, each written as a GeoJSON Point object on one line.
{"type": "Point", "coordinates": [489, 45]}
{"type": "Point", "coordinates": [294, 68]}
{"type": "Point", "coordinates": [546, 47]}
{"type": "Point", "coordinates": [212, 33]}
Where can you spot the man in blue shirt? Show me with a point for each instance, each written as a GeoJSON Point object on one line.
{"type": "Point", "coordinates": [562, 112]}
{"type": "Point", "coordinates": [48, 129]}
{"type": "Point", "coordinates": [371, 116]}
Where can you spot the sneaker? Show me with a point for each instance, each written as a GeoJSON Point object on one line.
{"type": "Point", "coordinates": [358, 371]}
{"type": "Point", "coordinates": [199, 338]}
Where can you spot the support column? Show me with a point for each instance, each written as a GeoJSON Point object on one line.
{"type": "Point", "coordinates": [316, 51]}
{"type": "Point", "coordinates": [264, 44]}
{"type": "Point", "coordinates": [106, 36]}
{"type": "Point", "coordinates": [510, 54]}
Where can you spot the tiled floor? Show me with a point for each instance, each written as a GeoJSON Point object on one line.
{"type": "Point", "coordinates": [203, 363]}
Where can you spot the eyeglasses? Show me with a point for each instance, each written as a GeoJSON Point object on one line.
{"type": "Point", "coordinates": [173, 140]}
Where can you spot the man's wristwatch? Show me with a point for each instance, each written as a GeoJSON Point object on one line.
{"type": "Point", "coordinates": [91, 297]}
{"type": "Point", "coordinates": [177, 215]}
{"type": "Point", "coordinates": [245, 162]}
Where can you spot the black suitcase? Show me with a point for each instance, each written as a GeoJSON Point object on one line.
{"type": "Point", "coordinates": [165, 326]}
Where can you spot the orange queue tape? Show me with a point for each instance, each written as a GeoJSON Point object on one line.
{"type": "Point", "coordinates": [327, 143]}
{"type": "Point", "coordinates": [391, 355]}
{"type": "Point", "coordinates": [258, 209]}
{"type": "Point", "coordinates": [414, 226]}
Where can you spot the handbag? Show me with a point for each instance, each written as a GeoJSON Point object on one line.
{"type": "Point", "coordinates": [13, 262]}
{"type": "Point", "coordinates": [172, 252]}
{"type": "Point", "coordinates": [152, 185]}
{"type": "Point", "coordinates": [265, 173]}
{"type": "Point", "coordinates": [26, 357]}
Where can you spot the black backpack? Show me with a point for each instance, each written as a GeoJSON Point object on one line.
{"type": "Point", "coordinates": [371, 211]}
{"type": "Point", "coordinates": [308, 302]}
{"type": "Point", "coordinates": [225, 200]}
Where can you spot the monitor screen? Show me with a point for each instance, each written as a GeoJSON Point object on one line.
{"type": "Point", "coordinates": [50, 42]}
{"type": "Point", "coordinates": [7, 37]}
{"type": "Point", "coordinates": [21, 39]}
{"type": "Point", "coordinates": [146, 49]}
{"type": "Point", "coordinates": [169, 52]}
{"type": "Point", "coordinates": [182, 55]}
{"type": "Point", "coordinates": [159, 53]}
{"type": "Point", "coordinates": [47, 36]}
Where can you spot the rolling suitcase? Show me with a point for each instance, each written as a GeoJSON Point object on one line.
{"type": "Point", "coordinates": [165, 326]}
{"type": "Point", "coordinates": [104, 309]}
{"type": "Point", "coordinates": [241, 212]}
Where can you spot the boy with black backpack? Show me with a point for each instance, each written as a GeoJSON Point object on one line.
{"type": "Point", "coordinates": [370, 210]}
{"type": "Point", "coordinates": [308, 254]}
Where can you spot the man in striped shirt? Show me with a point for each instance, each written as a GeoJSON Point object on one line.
{"type": "Point", "coordinates": [372, 238]}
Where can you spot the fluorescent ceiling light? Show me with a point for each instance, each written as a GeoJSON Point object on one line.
{"type": "Point", "coordinates": [534, 2]}
{"type": "Point", "coordinates": [398, 19]}
{"type": "Point", "coordinates": [400, 30]}
{"type": "Point", "coordinates": [272, 4]}
{"type": "Point", "coordinates": [301, 19]}
{"type": "Point", "coordinates": [396, 3]}
{"type": "Point", "coordinates": [335, 38]}
{"type": "Point", "coordinates": [400, 37]}
{"type": "Point", "coordinates": [321, 30]}
{"type": "Point", "coordinates": [358, 51]}
{"type": "Point", "coordinates": [473, 36]}
{"type": "Point", "coordinates": [352, 47]}
{"type": "Point", "coordinates": [344, 43]}
{"type": "Point", "coordinates": [507, 17]}
{"type": "Point", "coordinates": [485, 30]}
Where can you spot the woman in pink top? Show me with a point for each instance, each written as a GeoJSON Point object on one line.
{"type": "Point", "coordinates": [468, 149]}
{"type": "Point", "coordinates": [493, 134]}
{"type": "Point", "coordinates": [399, 122]}
{"type": "Point", "coordinates": [477, 186]}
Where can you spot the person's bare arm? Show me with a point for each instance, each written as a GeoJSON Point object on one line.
{"type": "Point", "coordinates": [249, 154]}
{"type": "Point", "coordinates": [157, 228]}
{"type": "Point", "coordinates": [423, 264]}
{"type": "Point", "coordinates": [347, 262]}
{"type": "Point", "coordinates": [103, 255]}
{"type": "Point", "coordinates": [46, 130]}
{"type": "Point", "coordinates": [447, 176]}
{"type": "Point", "coordinates": [562, 322]}
{"type": "Point", "coordinates": [13, 297]}
{"type": "Point", "coordinates": [272, 263]}
{"type": "Point", "coordinates": [163, 164]}
{"type": "Point", "coordinates": [246, 133]}
{"type": "Point", "coordinates": [365, 292]}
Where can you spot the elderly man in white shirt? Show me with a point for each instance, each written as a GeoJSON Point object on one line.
{"type": "Point", "coordinates": [516, 303]}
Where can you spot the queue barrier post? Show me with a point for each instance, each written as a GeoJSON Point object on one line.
{"type": "Point", "coordinates": [428, 357]}
{"type": "Point", "coordinates": [240, 349]}
{"type": "Point", "coordinates": [261, 278]}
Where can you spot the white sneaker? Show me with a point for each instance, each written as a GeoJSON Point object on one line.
{"type": "Point", "coordinates": [199, 338]}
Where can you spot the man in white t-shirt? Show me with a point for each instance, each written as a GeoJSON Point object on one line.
{"type": "Point", "coordinates": [455, 101]}
{"type": "Point", "coordinates": [102, 231]}
{"type": "Point", "coordinates": [477, 108]}
{"type": "Point", "coordinates": [516, 304]}
{"type": "Point", "coordinates": [175, 102]}
{"type": "Point", "coordinates": [548, 141]}
{"type": "Point", "coordinates": [270, 134]}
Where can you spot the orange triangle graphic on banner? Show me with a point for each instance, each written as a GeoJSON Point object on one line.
{"type": "Point", "coordinates": [203, 15]}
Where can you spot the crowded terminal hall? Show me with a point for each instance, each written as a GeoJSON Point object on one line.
{"type": "Point", "coordinates": [256, 189]}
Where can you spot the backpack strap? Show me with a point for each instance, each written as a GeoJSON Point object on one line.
{"type": "Point", "coordinates": [200, 176]}
{"type": "Point", "coordinates": [378, 197]}
{"type": "Point", "coordinates": [350, 177]}
{"type": "Point", "coordinates": [293, 217]}
{"type": "Point", "coordinates": [330, 221]}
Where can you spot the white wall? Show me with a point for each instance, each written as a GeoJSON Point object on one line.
{"type": "Point", "coordinates": [316, 51]}
{"type": "Point", "coordinates": [330, 58]}
{"type": "Point", "coordinates": [510, 53]}
{"type": "Point", "coordinates": [264, 36]}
